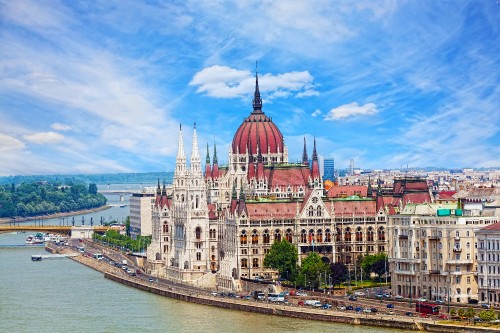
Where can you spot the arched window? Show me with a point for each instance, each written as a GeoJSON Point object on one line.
{"type": "Point", "coordinates": [369, 234]}
{"type": "Point", "coordinates": [277, 235]}
{"type": "Point", "coordinates": [197, 201]}
{"type": "Point", "coordinates": [338, 235]}
{"type": "Point", "coordinates": [289, 235]}
{"type": "Point", "coordinates": [359, 235]}
{"type": "Point", "coordinates": [255, 237]}
{"type": "Point", "coordinates": [381, 234]}
{"type": "Point", "coordinates": [255, 262]}
{"type": "Point", "coordinates": [303, 236]}
{"type": "Point", "coordinates": [265, 237]}
{"type": "Point", "coordinates": [319, 236]}
{"type": "Point", "coordinates": [328, 236]}
{"type": "Point", "coordinates": [198, 233]}
{"type": "Point", "coordinates": [244, 263]}
{"type": "Point", "coordinates": [186, 264]}
{"type": "Point", "coordinates": [311, 211]}
{"type": "Point", "coordinates": [243, 237]}
{"type": "Point", "coordinates": [318, 211]}
{"type": "Point", "coordinates": [198, 256]}
{"type": "Point", "coordinates": [347, 235]}
{"type": "Point", "coordinates": [311, 235]}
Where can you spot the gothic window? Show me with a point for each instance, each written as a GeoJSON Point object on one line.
{"type": "Point", "coordinates": [244, 263]}
{"type": "Point", "coordinates": [243, 237]}
{"type": "Point", "coordinates": [255, 237]}
{"type": "Point", "coordinates": [197, 202]}
{"type": "Point", "coordinates": [198, 233]}
{"type": "Point", "coordinates": [328, 236]}
{"type": "Point", "coordinates": [311, 211]}
{"type": "Point", "coordinates": [277, 235]}
{"type": "Point", "coordinates": [289, 235]}
{"type": "Point", "coordinates": [186, 264]}
{"type": "Point", "coordinates": [381, 234]}
{"type": "Point", "coordinates": [370, 234]}
{"type": "Point", "coordinates": [318, 211]}
{"type": "Point", "coordinates": [165, 228]}
{"type": "Point", "coordinates": [359, 235]}
{"type": "Point", "coordinates": [266, 237]}
{"type": "Point", "coordinates": [303, 236]}
{"type": "Point", "coordinates": [182, 198]}
{"type": "Point", "coordinates": [347, 235]}
{"type": "Point", "coordinates": [255, 262]}
{"type": "Point", "coordinates": [319, 236]}
{"type": "Point", "coordinates": [198, 256]}
{"type": "Point", "coordinates": [311, 235]}
{"type": "Point", "coordinates": [213, 248]}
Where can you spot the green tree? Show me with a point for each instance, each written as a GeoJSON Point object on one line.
{"type": "Point", "coordinates": [461, 313]}
{"type": "Point", "coordinates": [313, 267]}
{"type": "Point", "coordinates": [92, 189]}
{"type": "Point", "coordinates": [469, 313]}
{"type": "Point", "coordinates": [127, 226]}
{"type": "Point", "coordinates": [283, 257]}
{"type": "Point", "coordinates": [453, 312]}
{"type": "Point", "coordinates": [487, 315]}
{"type": "Point", "coordinates": [375, 263]}
{"type": "Point", "coordinates": [339, 273]}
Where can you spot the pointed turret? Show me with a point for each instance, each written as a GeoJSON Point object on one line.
{"type": "Point", "coordinates": [369, 191]}
{"type": "Point", "coordinates": [195, 155]}
{"type": "Point", "coordinates": [315, 164]}
{"type": "Point", "coordinates": [215, 167]}
{"type": "Point", "coordinates": [305, 159]}
{"type": "Point", "coordinates": [208, 170]}
{"type": "Point", "coordinates": [257, 101]}
{"type": "Point", "coordinates": [180, 165]}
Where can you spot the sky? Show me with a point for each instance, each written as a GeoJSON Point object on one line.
{"type": "Point", "coordinates": [102, 86]}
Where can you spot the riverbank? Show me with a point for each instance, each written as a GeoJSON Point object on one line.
{"type": "Point", "coordinates": [5, 220]}
{"type": "Point", "coordinates": [203, 297]}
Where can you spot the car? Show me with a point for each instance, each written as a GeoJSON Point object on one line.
{"type": "Point", "coordinates": [439, 301]}
{"type": "Point", "coordinates": [485, 305]}
{"type": "Point", "coordinates": [359, 293]}
{"type": "Point", "coordinates": [150, 279]}
{"type": "Point", "coordinates": [349, 307]}
{"type": "Point", "coordinates": [443, 316]}
{"type": "Point", "coordinates": [341, 308]}
{"type": "Point", "coordinates": [132, 274]}
{"type": "Point", "coordinates": [124, 267]}
{"type": "Point", "coordinates": [379, 295]}
{"type": "Point", "coordinates": [422, 300]}
{"type": "Point", "coordinates": [425, 315]}
{"type": "Point", "coordinates": [374, 310]}
{"type": "Point", "coordinates": [387, 296]}
{"type": "Point", "coordinates": [301, 293]}
{"type": "Point", "coordinates": [358, 309]}
{"type": "Point", "coordinates": [326, 306]}
{"type": "Point", "coordinates": [213, 293]}
{"type": "Point", "coordinates": [390, 306]}
{"type": "Point", "coordinates": [300, 303]}
{"type": "Point", "coordinates": [473, 301]}
{"type": "Point", "coordinates": [398, 297]}
{"type": "Point", "coordinates": [353, 298]}
{"type": "Point", "coordinates": [232, 295]}
{"type": "Point", "coordinates": [409, 314]}
{"type": "Point", "coordinates": [367, 311]}
{"type": "Point", "coordinates": [390, 312]}
{"type": "Point", "coordinates": [477, 320]}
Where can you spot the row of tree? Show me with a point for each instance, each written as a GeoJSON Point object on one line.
{"type": "Point", "coordinates": [315, 271]}
{"type": "Point", "coordinates": [469, 313]}
{"type": "Point", "coordinates": [41, 198]}
{"type": "Point", "coordinates": [113, 237]}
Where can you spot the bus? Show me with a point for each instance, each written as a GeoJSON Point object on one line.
{"type": "Point", "coordinates": [98, 256]}
{"type": "Point", "coordinates": [276, 298]}
{"type": "Point", "coordinates": [427, 308]}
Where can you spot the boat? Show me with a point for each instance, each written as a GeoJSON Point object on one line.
{"type": "Point", "coordinates": [29, 239]}
{"type": "Point", "coordinates": [122, 205]}
{"type": "Point", "coordinates": [36, 257]}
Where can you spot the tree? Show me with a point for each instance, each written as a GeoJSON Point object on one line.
{"type": "Point", "coordinates": [461, 313]}
{"type": "Point", "coordinates": [339, 273]}
{"type": "Point", "coordinates": [283, 257]}
{"type": "Point", "coordinates": [92, 189]}
{"type": "Point", "coordinates": [375, 263]}
{"type": "Point", "coordinates": [469, 313]}
{"type": "Point", "coordinates": [453, 312]}
{"type": "Point", "coordinates": [487, 315]}
{"type": "Point", "coordinates": [127, 226]}
{"type": "Point", "coordinates": [312, 268]}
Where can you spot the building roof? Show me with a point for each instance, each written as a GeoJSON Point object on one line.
{"type": "Point", "coordinates": [347, 191]}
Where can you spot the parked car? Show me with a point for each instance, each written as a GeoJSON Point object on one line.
{"type": "Point", "coordinates": [150, 279]}
{"type": "Point", "coordinates": [353, 298]}
{"type": "Point", "coordinates": [358, 309]}
{"type": "Point", "coordinates": [477, 320]}
{"type": "Point", "coordinates": [425, 315]}
{"type": "Point", "coordinates": [398, 297]}
{"type": "Point", "coordinates": [422, 300]}
{"type": "Point", "coordinates": [359, 293]}
{"type": "Point", "coordinates": [374, 310]}
{"type": "Point", "coordinates": [367, 310]}
{"type": "Point", "coordinates": [326, 306]}
{"type": "Point", "coordinates": [485, 305]}
{"type": "Point", "coordinates": [409, 314]}
{"type": "Point", "coordinates": [439, 301]}
{"type": "Point", "coordinates": [301, 293]}
{"type": "Point", "coordinates": [213, 293]}
{"type": "Point", "coordinates": [349, 307]}
{"type": "Point", "coordinates": [390, 312]}
{"type": "Point", "coordinates": [379, 295]}
{"type": "Point", "coordinates": [390, 306]}
{"type": "Point", "coordinates": [387, 296]}
{"type": "Point", "coordinates": [443, 316]}
{"type": "Point", "coordinates": [341, 308]}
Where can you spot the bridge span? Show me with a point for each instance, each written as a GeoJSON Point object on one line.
{"type": "Point", "coordinates": [58, 229]}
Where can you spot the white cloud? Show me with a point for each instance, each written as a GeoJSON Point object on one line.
{"type": "Point", "coordinates": [44, 137]}
{"type": "Point", "coordinates": [316, 113]}
{"type": "Point", "coordinates": [61, 127]}
{"type": "Point", "coordinates": [225, 82]}
{"type": "Point", "coordinates": [9, 143]}
{"type": "Point", "coordinates": [350, 110]}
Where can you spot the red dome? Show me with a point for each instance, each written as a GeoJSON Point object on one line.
{"type": "Point", "coordinates": [258, 130]}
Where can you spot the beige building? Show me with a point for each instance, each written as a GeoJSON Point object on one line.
{"type": "Point", "coordinates": [141, 208]}
{"type": "Point", "coordinates": [432, 252]}
{"type": "Point", "coordinates": [488, 264]}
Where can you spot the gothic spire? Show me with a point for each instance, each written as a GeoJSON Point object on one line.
{"type": "Point", "coordinates": [315, 155]}
{"type": "Point", "coordinates": [158, 190]}
{"type": "Point", "coordinates": [234, 194]}
{"type": "Point", "coordinates": [208, 156]}
{"type": "Point", "coordinates": [257, 101]}
{"type": "Point", "coordinates": [180, 148]}
{"type": "Point", "coordinates": [215, 154]}
{"type": "Point", "coordinates": [379, 186]}
{"type": "Point", "coordinates": [369, 187]}
{"type": "Point", "coordinates": [305, 160]}
{"type": "Point", "coordinates": [242, 194]}
{"type": "Point", "coordinates": [195, 154]}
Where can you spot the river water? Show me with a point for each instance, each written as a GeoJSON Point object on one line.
{"type": "Point", "coordinates": [61, 295]}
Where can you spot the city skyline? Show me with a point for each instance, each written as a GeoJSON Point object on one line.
{"type": "Point", "coordinates": [103, 87]}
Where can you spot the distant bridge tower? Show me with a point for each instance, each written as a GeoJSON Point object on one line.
{"type": "Point", "coordinates": [351, 167]}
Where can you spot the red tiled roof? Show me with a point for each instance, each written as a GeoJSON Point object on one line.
{"type": "Point", "coordinates": [354, 208]}
{"type": "Point", "coordinates": [266, 210]}
{"type": "Point", "coordinates": [347, 191]}
{"type": "Point", "coordinates": [443, 195]}
{"type": "Point", "coordinates": [416, 198]}
{"type": "Point", "coordinates": [258, 131]}
{"type": "Point", "coordinates": [495, 226]}
{"type": "Point", "coordinates": [291, 176]}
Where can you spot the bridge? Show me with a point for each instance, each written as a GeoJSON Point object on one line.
{"type": "Point", "coordinates": [120, 192]}
{"type": "Point", "coordinates": [57, 229]}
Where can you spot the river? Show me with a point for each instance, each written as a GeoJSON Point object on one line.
{"type": "Point", "coordinates": [61, 295]}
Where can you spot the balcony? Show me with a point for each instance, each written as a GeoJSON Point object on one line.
{"type": "Point", "coordinates": [434, 238]}
{"type": "Point", "coordinates": [434, 271]}
{"type": "Point", "coordinates": [457, 249]}
{"type": "Point", "coordinates": [403, 236]}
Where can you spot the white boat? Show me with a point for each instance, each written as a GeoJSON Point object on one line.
{"type": "Point", "coordinates": [29, 239]}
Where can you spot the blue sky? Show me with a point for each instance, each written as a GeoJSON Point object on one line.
{"type": "Point", "coordinates": [101, 86]}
